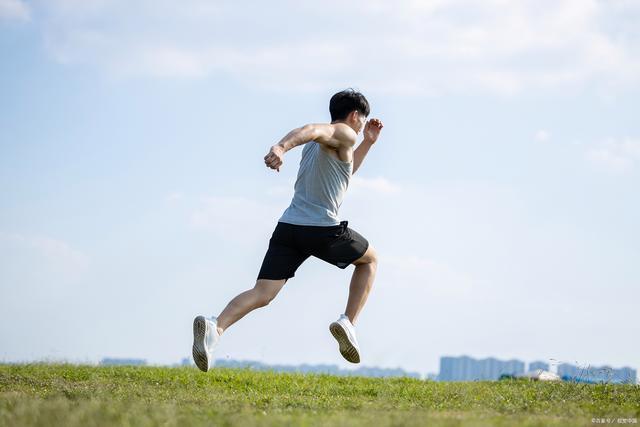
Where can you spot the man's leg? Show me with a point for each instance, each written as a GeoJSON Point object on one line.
{"type": "Point", "coordinates": [262, 293]}
{"type": "Point", "coordinates": [361, 283]}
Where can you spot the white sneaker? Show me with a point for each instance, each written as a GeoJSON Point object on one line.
{"type": "Point", "coordinates": [343, 331]}
{"type": "Point", "coordinates": [205, 339]}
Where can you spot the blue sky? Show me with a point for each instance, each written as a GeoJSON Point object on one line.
{"type": "Point", "coordinates": [501, 196]}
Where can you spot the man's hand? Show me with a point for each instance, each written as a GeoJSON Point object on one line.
{"type": "Point", "coordinates": [274, 158]}
{"type": "Point", "coordinates": [372, 130]}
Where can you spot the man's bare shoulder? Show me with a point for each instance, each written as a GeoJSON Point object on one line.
{"type": "Point", "coordinates": [344, 133]}
{"type": "Point", "coordinates": [335, 135]}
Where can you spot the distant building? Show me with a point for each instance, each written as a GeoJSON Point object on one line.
{"type": "Point", "coordinates": [114, 361]}
{"type": "Point", "coordinates": [594, 374]}
{"type": "Point", "coordinates": [567, 370]}
{"type": "Point", "coordinates": [538, 365]}
{"type": "Point", "coordinates": [465, 368]}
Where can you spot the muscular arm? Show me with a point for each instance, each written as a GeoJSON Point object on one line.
{"type": "Point", "coordinates": [333, 135]}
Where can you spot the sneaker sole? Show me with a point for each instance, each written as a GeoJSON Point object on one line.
{"type": "Point", "coordinates": [347, 350]}
{"type": "Point", "coordinates": [199, 352]}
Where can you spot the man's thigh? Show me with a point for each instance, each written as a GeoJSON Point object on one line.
{"type": "Point", "coordinates": [341, 247]}
{"type": "Point", "coordinates": [282, 258]}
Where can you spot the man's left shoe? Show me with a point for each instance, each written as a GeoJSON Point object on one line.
{"type": "Point", "coordinates": [205, 340]}
{"type": "Point", "coordinates": [344, 332]}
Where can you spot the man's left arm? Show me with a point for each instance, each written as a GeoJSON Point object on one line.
{"type": "Point", "coordinates": [371, 132]}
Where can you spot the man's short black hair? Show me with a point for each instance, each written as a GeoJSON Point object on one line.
{"type": "Point", "coordinates": [344, 102]}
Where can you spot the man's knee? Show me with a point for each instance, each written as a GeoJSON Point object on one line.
{"type": "Point", "coordinates": [266, 290]}
{"type": "Point", "coordinates": [369, 257]}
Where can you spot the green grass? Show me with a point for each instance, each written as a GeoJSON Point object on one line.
{"type": "Point", "coordinates": [71, 395]}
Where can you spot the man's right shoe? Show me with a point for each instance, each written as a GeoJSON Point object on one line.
{"type": "Point", "coordinates": [205, 340]}
{"type": "Point", "coordinates": [344, 332]}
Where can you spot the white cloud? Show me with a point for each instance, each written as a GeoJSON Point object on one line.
{"type": "Point", "coordinates": [47, 254]}
{"type": "Point", "coordinates": [615, 156]}
{"type": "Point", "coordinates": [432, 278]}
{"type": "Point", "coordinates": [14, 10]}
{"type": "Point", "coordinates": [542, 135]}
{"type": "Point", "coordinates": [173, 197]}
{"type": "Point", "coordinates": [235, 218]}
{"type": "Point", "coordinates": [410, 46]}
{"type": "Point", "coordinates": [281, 191]}
{"type": "Point", "coordinates": [379, 185]}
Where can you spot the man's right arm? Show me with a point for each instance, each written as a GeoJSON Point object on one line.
{"type": "Point", "coordinates": [333, 135]}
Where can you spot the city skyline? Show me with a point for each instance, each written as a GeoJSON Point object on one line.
{"type": "Point", "coordinates": [452, 368]}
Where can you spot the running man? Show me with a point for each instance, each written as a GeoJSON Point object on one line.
{"type": "Point", "coordinates": [310, 225]}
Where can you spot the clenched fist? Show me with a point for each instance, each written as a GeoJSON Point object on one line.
{"type": "Point", "coordinates": [273, 159]}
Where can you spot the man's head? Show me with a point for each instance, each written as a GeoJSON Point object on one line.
{"type": "Point", "coordinates": [350, 107]}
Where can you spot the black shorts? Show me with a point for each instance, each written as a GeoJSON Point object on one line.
{"type": "Point", "coordinates": [290, 245]}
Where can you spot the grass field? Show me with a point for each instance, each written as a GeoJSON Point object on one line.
{"type": "Point", "coordinates": [71, 395]}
